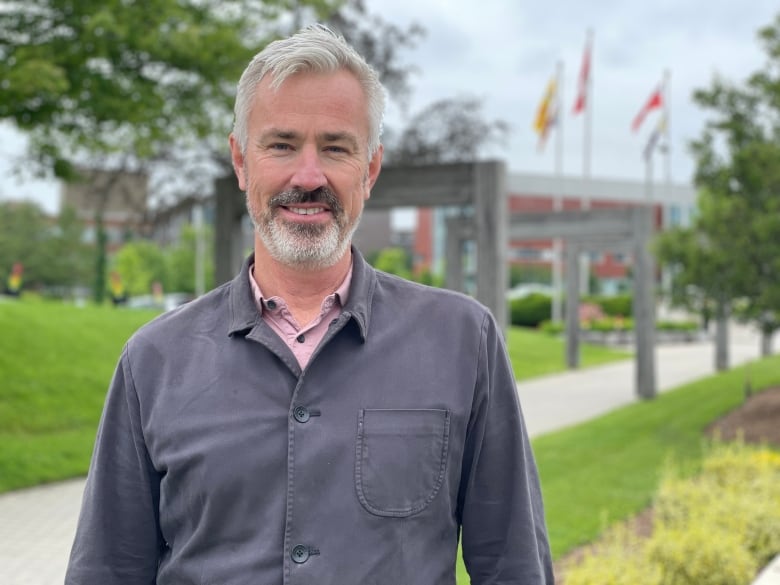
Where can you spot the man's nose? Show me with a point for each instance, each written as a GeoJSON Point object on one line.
{"type": "Point", "coordinates": [309, 174]}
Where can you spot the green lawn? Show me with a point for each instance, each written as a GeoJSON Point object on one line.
{"type": "Point", "coordinates": [608, 468]}
{"type": "Point", "coordinates": [55, 364]}
{"type": "Point", "coordinates": [535, 354]}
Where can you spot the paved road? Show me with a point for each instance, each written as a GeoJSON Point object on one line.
{"type": "Point", "coordinates": [37, 525]}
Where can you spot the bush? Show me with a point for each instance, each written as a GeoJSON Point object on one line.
{"type": "Point", "coordinates": [694, 555]}
{"type": "Point", "coordinates": [613, 306]}
{"type": "Point", "coordinates": [610, 324]}
{"type": "Point", "coordinates": [688, 326]}
{"type": "Point", "coordinates": [718, 528]}
{"type": "Point", "coordinates": [530, 310]}
{"type": "Point", "coordinates": [552, 327]}
{"type": "Point", "coordinates": [618, 561]}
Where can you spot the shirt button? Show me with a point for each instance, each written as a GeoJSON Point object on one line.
{"type": "Point", "coordinates": [301, 414]}
{"type": "Point", "coordinates": [300, 554]}
{"type": "Point", "coordinates": [300, 338]}
{"type": "Point", "coordinates": [271, 305]}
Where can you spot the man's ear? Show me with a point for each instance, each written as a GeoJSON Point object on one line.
{"type": "Point", "coordinates": [374, 166]}
{"type": "Point", "coordinates": [237, 158]}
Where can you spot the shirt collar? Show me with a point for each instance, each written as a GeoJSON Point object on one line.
{"type": "Point", "coordinates": [341, 294]}
{"type": "Point", "coordinates": [356, 302]}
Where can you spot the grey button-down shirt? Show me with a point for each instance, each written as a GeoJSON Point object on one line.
{"type": "Point", "coordinates": [219, 462]}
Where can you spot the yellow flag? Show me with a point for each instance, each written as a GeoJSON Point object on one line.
{"type": "Point", "coordinates": [545, 115]}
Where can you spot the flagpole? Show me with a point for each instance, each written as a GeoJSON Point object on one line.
{"type": "Point", "coordinates": [557, 275]}
{"type": "Point", "coordinates": [587, 132]}
{"type": "Point", "coordinates": [587, 137]}
{"type": "Point", "coordinates": [649, 179]}
{"type": "Point", "coordinates": [668, 118]}
{"type": "Point", "coordinates": [666, 275]}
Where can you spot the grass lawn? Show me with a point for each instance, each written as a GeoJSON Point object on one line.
{"type": "Point", "coordinates": [536, 354]}
{"type": "Point", "coordinates": [55, 364]}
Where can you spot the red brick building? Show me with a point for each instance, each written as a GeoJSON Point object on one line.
{"type": "Point", "coordinates": [674, 204]}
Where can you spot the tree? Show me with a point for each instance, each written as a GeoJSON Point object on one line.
{"type": "Point", "coordinates": [448, 130]}
{"type": "Point", "coordinates": [67, 255]}
{"type": "Point", "coordinates": [732, 251]}
{"type": "Point", "coordinates": [140, 264]}
{"type": "Point", "coordinates": [380, 43]}
{"type": "Point", "coordinates": [121, 85]}
{"type": "Point", "coordinates": [53, 254]}
{"type": "Point", "coordinates": [23, 230]}
{"type": "Point", "coordinates": [109, 76]}
{"type": "Point", "coordinates": [180, 261]}
{"type": "Point", "coordinates": [394, 261]}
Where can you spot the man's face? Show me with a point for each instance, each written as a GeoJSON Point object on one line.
{"type": "Point", "coordinates": [306, 170]}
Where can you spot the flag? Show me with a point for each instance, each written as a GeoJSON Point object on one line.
{"type": "Point", "coordinates": [658, 131]}
{"type": "Point", "coordinates": [582, 83]}
{"type": "Point", "coordinates": [546, 114]}
{"type": "Point", "coordinates": [656, 100]}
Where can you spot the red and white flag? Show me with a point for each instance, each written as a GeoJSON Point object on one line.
{"type": "Point", "coordinates": [655, 101]}
{"type": "Point", "coordinates": [582, 83]}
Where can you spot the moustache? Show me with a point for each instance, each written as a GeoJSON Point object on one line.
{"type": "Point", "coordinates": [319, 195]}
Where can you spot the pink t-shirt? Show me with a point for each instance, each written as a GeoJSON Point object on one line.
{"type": "Point", "coordinates": [301, 340]}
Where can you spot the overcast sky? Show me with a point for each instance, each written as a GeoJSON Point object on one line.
{"type": "Point", "coordinates": [505, 51]}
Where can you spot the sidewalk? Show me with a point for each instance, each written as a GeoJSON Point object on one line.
{"type": "Point", "coordinates": [37, 525]}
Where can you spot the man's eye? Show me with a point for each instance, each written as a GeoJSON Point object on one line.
{"type": "Point", "coordinates": [280, 146]}
{"type": "Point", "coordinates": [334, 148]}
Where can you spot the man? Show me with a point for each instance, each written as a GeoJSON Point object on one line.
{"type": "Point", "coordinates": [314, 421]}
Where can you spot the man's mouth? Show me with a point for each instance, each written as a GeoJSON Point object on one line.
{"type": "Point", "coordinates": [306, 210]}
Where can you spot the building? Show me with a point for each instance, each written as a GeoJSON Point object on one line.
{"type": "Point", "coordinates": [119, 197]}
{"type": "Point", "coordinates": [674, 205]}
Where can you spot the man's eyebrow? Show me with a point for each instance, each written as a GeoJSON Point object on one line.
{"type": "Point", "coordinates": [341, 137]}
{"type": "Point", "coordinates": [279, 133]}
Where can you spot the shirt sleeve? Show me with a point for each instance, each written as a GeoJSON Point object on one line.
{"type": "Point", "coordinates": [118, 540]}
{"type": "Point", "coordinates": [504, 537]}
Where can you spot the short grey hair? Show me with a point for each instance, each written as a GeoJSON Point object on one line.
{"type": "Point", "coordinates": [315, 49]}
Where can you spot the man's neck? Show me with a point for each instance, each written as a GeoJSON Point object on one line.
{"type": "Point", "coordinates": [302, 289]}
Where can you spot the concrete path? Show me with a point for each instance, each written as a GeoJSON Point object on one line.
{"type": "Point", "coordinates": [553, 402]}
{"type": "Point", "coordinates": [37, 525]}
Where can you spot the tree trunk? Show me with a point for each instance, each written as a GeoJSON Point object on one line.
{"type": "Point", "coordinates": [99, 290]}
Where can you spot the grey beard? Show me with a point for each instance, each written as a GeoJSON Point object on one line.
{"type": "Point", "coordinates": [303, 245]}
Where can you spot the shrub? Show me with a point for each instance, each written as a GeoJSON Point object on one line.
{"type": "Point", "coordinates": [677, 326]}
{"type": "Point", "coordinates": [718, 528]}
{"type": "Point", "coordinates": [614, 306]}
{"type": "Point", "coordinates": [694, 555]}
{"type": "Point", "coordinates": [610, 324]}
{"type": "Point", "coordinates": [552, 327]}
{"type": "Point", "coordinates": [530, 310]}
{"type": "Point", "coordinates": [619, 560]}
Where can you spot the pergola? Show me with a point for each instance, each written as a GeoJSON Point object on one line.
{"type": "Point", "coordinates": [480, 188]}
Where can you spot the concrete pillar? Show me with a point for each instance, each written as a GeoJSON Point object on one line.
{"type": "Point", "coordinates": [230, 208]}
{"type": "Point", "coordinates": [722, 335]}
{"type": "Point", "coordinates": [572, 255]}
{"type": "Point", "coordinates": [453, 275]}
{"type": "Point", "coordinates": [491, 217]}
{"type": "Point", "coordinates": [644, 304]}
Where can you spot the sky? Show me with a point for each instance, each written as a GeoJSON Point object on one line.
{"type": "Point", "coordinates": [504, 52]}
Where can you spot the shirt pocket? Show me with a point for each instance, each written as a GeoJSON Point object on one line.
{"type": "Point", "coordinates": [400, 459]}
